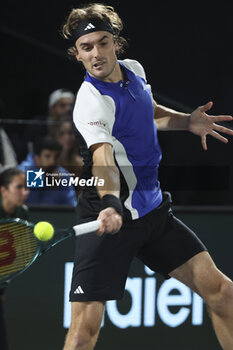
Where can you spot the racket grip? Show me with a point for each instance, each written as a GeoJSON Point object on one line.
{"type": "Point", "coordinates": [87, 227]}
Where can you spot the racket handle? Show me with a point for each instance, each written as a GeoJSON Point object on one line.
{"type": "Point", "coordinates": [87, 227]}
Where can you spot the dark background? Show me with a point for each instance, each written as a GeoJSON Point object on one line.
{"type": "Point", "coordinates": [186, 50]}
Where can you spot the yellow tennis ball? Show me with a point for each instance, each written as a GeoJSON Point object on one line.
{"type": "Point", "coordinates": [43, 230]}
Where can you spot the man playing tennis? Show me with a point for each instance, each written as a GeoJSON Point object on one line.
{"type": "Point", "coordinates": [117, 122]}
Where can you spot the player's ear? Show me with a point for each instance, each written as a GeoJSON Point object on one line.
{"type": "Point", "coordinates": [76, 54]}
{"type": "Point", "coordinates": [116, 45]}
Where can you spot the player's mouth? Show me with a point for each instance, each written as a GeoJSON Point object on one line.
{"type": "Point", "coordinates": [98, 65]}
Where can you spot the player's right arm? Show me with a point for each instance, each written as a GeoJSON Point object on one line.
{"type": "Point", "coordinates": [94, 117]}
{"type": "Point", "coordinates": [104, 167]}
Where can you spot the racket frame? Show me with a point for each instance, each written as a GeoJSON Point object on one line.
{"type": "Point", "coordinates": [5, 281]}
{"type": "Point", "coordinates": [43, 247]}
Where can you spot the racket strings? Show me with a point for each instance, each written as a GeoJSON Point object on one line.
{"type": "Point", "coordinates": [18, 247]}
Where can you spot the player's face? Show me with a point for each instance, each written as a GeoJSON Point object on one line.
{"type": "Point", "coordinates": [97, 52]}
{"type": "Point", "coordinates": [16, 193]}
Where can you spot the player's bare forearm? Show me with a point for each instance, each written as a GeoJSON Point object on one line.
{"type": "Point", "coordinates": [110, 175]}
{"type": "Point", "coordinates": [167, 119]}
{"type": "Point", "coordinates": [104, 167]}
{"type": "Point", "coordinates": [198, 122]}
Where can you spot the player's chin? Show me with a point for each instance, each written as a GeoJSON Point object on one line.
{"type": "Point", "coordinates": [99, 74]}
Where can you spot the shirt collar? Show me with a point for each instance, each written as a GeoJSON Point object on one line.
{"type": "Point", "coordinates": [98, 82]}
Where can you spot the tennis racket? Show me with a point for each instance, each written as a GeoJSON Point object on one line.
{"type": "Point", "coordinates": [19, 247]}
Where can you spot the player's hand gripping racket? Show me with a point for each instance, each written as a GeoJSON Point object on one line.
{"type": "Point", "coordinates": [19, 247]}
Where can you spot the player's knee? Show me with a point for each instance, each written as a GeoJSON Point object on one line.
{"type": "Point", "coordinates": [81, 337]}
{"type": "Point", "coordinates": [85, 325]}
{"type": "Point", "coordinates": [221, 302]}
{"type": "Point", "coordinates": [84, 330]}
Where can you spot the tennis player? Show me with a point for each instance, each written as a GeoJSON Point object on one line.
{"type": "Point", "coordinates": [117, 121]}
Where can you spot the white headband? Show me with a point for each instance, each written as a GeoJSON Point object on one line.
{"type": "Point", "coordinates": [58, 94]}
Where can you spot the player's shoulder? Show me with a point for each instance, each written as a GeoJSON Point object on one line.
{"type": "Point", "coordinates": [87, 91]}
{"type": "Point", "coordinates": [87, 96]}
{"type": "Point", "coordinates": [135, 67]}
{"type": "Point", "coordinates": [89, 100]}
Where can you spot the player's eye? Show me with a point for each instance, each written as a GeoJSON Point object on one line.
{"type": "Point", "coordinates": [86, 48]}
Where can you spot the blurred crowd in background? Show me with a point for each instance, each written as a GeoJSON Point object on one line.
{"type": "Point", "coordinates": [47, 142]}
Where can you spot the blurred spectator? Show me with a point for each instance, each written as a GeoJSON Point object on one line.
{"type": "Point", "coordinates": [45, 157]}
{"type": "Point", "coordinates": [60, 102]}
{"type": "Point", "coordinates": [7, 153]}
{"type": "Point", "coordinates": [13, 194]}
{"type": "Point", "coordinates": [11, 144]}
{"type": "Point", "coordinates": [22, 135]}
{"type": "Point", "coordinates": [69, 157]}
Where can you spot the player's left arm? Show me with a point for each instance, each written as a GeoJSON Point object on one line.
{"type": "Point", "coordinates": [198, 122]}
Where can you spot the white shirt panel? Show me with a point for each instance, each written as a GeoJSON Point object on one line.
{"type": "Point", "coordinates": [94, 115]}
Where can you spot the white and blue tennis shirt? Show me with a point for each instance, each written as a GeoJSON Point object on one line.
{"type": "Point", "coordinates": [122, 114]}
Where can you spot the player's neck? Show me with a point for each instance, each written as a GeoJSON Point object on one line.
{"type": "Point", "coordinates": [117, 74]}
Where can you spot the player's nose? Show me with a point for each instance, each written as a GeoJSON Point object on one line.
{"type": "Point", "coordinates": [96, 52]}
